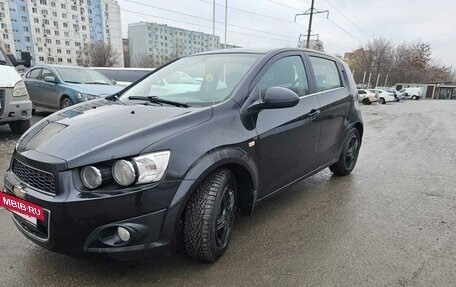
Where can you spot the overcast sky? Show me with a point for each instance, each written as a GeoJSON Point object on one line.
{"type": "Point", "coordinates": [351, 22]}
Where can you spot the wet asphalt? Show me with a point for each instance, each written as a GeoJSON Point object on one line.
{"type": "Point", "coordinates": [391, 223]}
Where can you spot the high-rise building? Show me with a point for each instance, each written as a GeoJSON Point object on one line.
{"type": "Point", "coordinates": [161, 43]}
{"type": "Point", "coordinates": [56, 32]}
{"type": "Point", "coordinates": [6, 28]}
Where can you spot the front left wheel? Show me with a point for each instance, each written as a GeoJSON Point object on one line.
{"type": "Point", "coordinates": [209, 216]}
{"type": "Point", "coordinates": [19, 127]}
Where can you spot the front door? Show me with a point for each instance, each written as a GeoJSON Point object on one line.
{"type": "Point", "coordinates": [49, 93]}
{"type": "Point", "coordinates": [287, 138]}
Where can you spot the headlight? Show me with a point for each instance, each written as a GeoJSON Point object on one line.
{"type": "Point", "coordinates": [86, 97]}
{"type": "Point", "coordinates": [151, 167]}
{"type": "Point", "coordinates": [123, 172]}
{"type": "Point", "coordinates": [91, 177]}
{"type": "Point", "coordinates": [20, 89]}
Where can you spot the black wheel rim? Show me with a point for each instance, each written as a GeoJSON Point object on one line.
{"type": "Point", "coordinates": [352, 152]}
{"type": "Point", "coordinates": [225, 218]}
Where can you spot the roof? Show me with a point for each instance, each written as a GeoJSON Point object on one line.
{"type": "Point", "coordinates": [260, 51]}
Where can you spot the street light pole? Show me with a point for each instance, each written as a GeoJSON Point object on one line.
{"type": "Point", "coordinates": [213, 25]}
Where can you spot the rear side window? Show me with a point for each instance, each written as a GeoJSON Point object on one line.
{"type": "Point", "coordinates": [327, 74]}
{"type": "Point", "coordinates": [130, 75]}
{"type": "Point", "coordinates": [46, 73]}
{"type": "Point", "coordinates": [33, 74]}
{"type": "Point", "coordinates": [288, 73]}
{"type": "Point", "coordinates": [361, 92]}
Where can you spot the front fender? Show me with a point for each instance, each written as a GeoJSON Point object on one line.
{"type": "Point", "coordinates": [196, 173]}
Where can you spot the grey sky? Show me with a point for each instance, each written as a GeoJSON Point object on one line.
{"type": "Point", "coordinates": [400, 21]}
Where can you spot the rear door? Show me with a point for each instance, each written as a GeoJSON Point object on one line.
{"type": "Point", "coordinates": [334, 99]}
{"type": "Point", "coordinates": [33, 85]}
{"type": "Point", "coordinates": [287, 138]}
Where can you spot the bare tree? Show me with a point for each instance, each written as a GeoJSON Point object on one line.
{"type": "Point", "coordinates": [99, 54]}
{"type": "Point", "coordinates": [145, 61]}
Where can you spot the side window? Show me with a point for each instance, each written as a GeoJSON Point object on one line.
{"type": "Point", "coordinates": [127, 76]}
{"type": "Point", "coordinates": [361, 92]}
{"type": "Point", "coordinates": [110, 74]}
{"type": "Point", "coordinates": [327, 74]}
{"type": "Point", "coordinates": [33, 74]}
{"type": "Point", "coordinates": [288, 73]}
{"type": "Point", "coordinates": [46, 73]}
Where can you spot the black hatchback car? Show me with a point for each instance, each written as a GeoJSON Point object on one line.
{"type": "Point", "coordinates": [163, 165]}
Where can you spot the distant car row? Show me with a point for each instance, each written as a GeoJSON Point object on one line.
{"type": "Point", "coordinates": [369, 96]}
{"type": "Point", "coordinates": [54, 87]}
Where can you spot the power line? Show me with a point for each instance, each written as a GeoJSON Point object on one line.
{"type": "Point", "coordinates": [346, 32]}
{"type": "Point", "coordinates": [207, 19]}
{"type": "Point", "coordinates": [202, 26]}
{"type": "Point", "coordinates": [354, 24]}
{"type": "Point", "coordinates": [284, 5]}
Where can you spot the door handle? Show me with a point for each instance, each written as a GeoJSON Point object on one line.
{"type": "Point", "coordinates": [313, 114]}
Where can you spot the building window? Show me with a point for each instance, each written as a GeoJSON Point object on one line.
{"type": "Point", "coordinates": [69, 61]}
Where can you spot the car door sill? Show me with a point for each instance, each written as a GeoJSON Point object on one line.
{"type": "Point", "coordinates": [317, 170]}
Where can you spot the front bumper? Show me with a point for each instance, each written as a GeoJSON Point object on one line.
{"type": "Point", "coordinates": [75, 224]}
{"type": "Point", "coordinates": [18, 110]}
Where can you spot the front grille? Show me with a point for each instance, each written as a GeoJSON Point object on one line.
{"type": "Point", "coordinates": [2, 102]}
{"type": "Point", "coordinates": [36, 178]}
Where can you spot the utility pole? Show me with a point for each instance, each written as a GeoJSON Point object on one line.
{"type": "Point", "coordinates": [378, 78]}
{"type": "Point", "coordinates": [386, 80]}
{"type": "Point", "coordinates": [226, 21]}
{"type": "Point", "coordinates": [310, 12]}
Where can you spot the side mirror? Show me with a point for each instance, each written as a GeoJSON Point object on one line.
{"type": "Point", "coordinates": [114, 82]}
{"type": "Point", "coordinates": [50, 79]}
{"type": "Point", "coordinates": [26, 60]}
{"type": "Point", "coordinates": [275, 98]}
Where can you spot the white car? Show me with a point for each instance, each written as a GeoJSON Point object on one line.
{"type": "Point", "coordinates": [384, 96]}
{"type": "Point", "coordinates": [367, 97]}
{"type": "Point", "coordinates": [411, 93]}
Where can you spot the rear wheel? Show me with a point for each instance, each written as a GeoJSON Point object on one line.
{"type": "Point", "coordinates": [366, 101]}
{"type": "Point", "coordinates": [19, 127]}
{"type": "Point", "coordinates": [348, 155]}
{"type": "Point", "coordinates": [382, 101]}
{"type": "Point", "coordinates": [414, 98]}
{"type": "Point", "coordinates": [209, 217]}
{"type": "Point", "coordinates": [65, 103]}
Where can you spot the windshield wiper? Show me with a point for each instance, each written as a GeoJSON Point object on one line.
{"type": "Point", "coordinates": [96, 83]}
{"type": "Point", "coordinates": [73, 82]}
{"type": "Point", "coordinates": [2, 62]}
{"type": "Point", "coordinates": [157, 100]}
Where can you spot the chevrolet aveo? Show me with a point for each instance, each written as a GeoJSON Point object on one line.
{"type": "Point", "coordinates": [150, 173]}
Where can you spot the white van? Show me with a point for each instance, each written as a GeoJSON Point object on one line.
{"type": "Point", "coordinates": [15, 105]}
{"type": "Point", "coordinates": [411, 93]}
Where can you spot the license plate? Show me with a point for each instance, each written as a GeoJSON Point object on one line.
{"type": "Point", "coordinates": [28, 211]}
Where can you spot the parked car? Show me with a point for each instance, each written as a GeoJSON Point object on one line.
{"type": "Point", "coordinates": [367, 97]}
{"type": "Point", "coordinates": [144, 174]}
{"type": "Point", "coordinates": [54, 87]}
{"type": "Point", "coordinates": [411, 93]}
{"type": "Point", "coordinates": [123, 76]}
{"type": "Point", "coordinates": [383, 96]}
{"type": "Point", "coordinates": [15, 105]}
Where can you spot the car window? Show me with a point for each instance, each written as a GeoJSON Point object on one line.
{"type": "Point", "coordinates": [130, 75]}
{"type": "Point", "coordinates": [46, 73]}
{"type": "Point", "coordinates": [33, 74]}
{"type": "Point", "coordinates": [327, 74]}
{"type": "Point", "coordinates": [286, 72]}
{"type": "Point", "coordinates": [196, 80]}
{"type": "Point", "coordinates": [402, 90]}
{"type": "Point", "coordinates": [361, 92]}
{"type": "Point", "coordinates": [110, 74]}
{"type": "Point", "coordinates": [82, 76]}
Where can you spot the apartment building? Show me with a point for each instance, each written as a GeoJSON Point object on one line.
{"type": "Point", "coordinates": [56, 32]}
{"type": "Point", "coordinates": [6, 29]}
{"type": "Point", "coordinates": [162, 43]}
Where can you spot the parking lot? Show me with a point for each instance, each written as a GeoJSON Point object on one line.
{"type": "Point", "coordinates": [391, 223]}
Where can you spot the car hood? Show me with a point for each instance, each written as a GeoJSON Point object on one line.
{"type": "Point", "coordinates": [103, 130]}
{"type": "Point", "coordinates": [96, 90]}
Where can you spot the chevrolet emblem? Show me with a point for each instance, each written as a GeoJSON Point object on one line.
{"type": "Point", "coordinates": [19, 191]}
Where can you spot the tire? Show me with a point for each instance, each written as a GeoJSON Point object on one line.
{"type": "Point", "coordinates": [366, 101]}
{"type": "Point", "coordinates": [414, 98]}
{"type": "Point", "coordinates": [382, 101]}
{"type": "Point", "coordinates": [349, 154]}
{"type": "Point", "coordinates": [65, 103]}
{"type": "Point", "coordinates": [19, 127]}
{"type": "Point", "coordinates": [209, 216]}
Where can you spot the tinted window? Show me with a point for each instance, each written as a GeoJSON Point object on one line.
{"type": "Point", "coordinates": [130, 75]}
{"type": "Point", "coordinates": [326, 74]}
{"type": "Point", "coordinates": [34, 74]}
{"type": "Point", "coordinates": [288, 73]}
{"type": "Point", "coordinates": [46, 73]}
{"type": "Point", "coordinates": [361, 92]}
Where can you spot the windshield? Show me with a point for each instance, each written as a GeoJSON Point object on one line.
{"type": "Point", "coordinates": [196, 81]}
{"type": "Point", "coordinates": [82, 76]}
